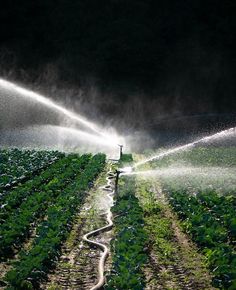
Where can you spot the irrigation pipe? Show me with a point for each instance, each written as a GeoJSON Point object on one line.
{"type": "Point", "coordinates": [101, 278]}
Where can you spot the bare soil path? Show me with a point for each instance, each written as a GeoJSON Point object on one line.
{"type": "Point", "coordinates": [174, 261]}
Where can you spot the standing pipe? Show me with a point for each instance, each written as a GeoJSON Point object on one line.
{"type": "Point", "coordinates": [117, 172]}
{"type": "Point", "coordinates": [121, 150]}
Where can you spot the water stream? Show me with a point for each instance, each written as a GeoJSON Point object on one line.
{"type": "Point", "coordinates": [28, 94]}
{"type": "Point", "coordinates": [208, 139]}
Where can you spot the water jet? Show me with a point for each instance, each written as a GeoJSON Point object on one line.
{"type": "Point", "coordinates": [205, 140]}
{"type": "Point", "coordinates": [22, 92]}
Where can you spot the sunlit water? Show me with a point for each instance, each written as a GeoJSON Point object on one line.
{"type": "Point", "coordinates": [208, 139]}
{"type": "Point", "coordinates": [221, 179]}
{"type": "Point", "coordinates": [189, 177]}
{"type": "Point", "coordinates": [28, 94]}
{"type": "Point", "coordinates": [58, 138]}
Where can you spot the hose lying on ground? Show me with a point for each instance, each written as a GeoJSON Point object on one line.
{"type": "Point", "coordinates": [101, 278]}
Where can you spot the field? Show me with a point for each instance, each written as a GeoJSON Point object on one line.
{"type": "Point", "coordinates": [173, 228]}
{"type": "Point", "coordinates": [199, 187]}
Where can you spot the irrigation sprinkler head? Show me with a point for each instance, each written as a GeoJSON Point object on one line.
{"type": "Point", "coordinates": [124, 171]}
{"type": "Point", "coordinates": [118, 172]}
{"type": "Point", "coordinates": [121, 171]}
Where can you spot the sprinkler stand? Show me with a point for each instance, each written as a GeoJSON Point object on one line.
{"type": "Point", "coordinates": [117, 172]}
{"type": "Point", "coordinates": [121, 150]}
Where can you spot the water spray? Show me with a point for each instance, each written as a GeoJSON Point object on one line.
{"type": "Point", "coordinates": [204, 140]}
{"type": "Point", "coordinates": [121, 171]}
{"type": "Point", "coordinates": [53, 105]}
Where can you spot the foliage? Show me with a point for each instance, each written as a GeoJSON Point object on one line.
{"type": "Point", "coordinates": [223, 208]}
{"type": "Point", "coordinates": [16, 165]}
{"type": "Point", "coordinates": [33, 207]}
{"type": "Point", "coordinates": [210, 234]}
{"type": "Point", "coordinates": [157, 225]}
{"type": "Point", "coordinates": [33, 265]}
{"type": "Point", "coordinates": [207, 215]}
{"type": "Point", "coordinates": [13, 199]}
{"type": "Point", "coordinates": [126, 158]}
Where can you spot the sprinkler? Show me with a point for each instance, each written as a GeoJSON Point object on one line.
{"type": "Point", "coordinates": [120, 171]}
{"type": "Point", "coordinates": [121, 150]}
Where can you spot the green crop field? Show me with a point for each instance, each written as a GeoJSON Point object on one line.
{"type": "Point", "coordinates": [47, 201]}
{"type": "Point", "coordinates": [200, 186]}
{"type": "Point", "coordinates": [174, 228]}
{"type": "Point", "coordinates": [118, 145]}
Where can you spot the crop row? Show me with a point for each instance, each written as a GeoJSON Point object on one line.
{"type": "Point", "coordinates": [16, 226]}
{"type": "Point", "coordinates": [130, 239]}
{"type": "Point", "coordinates": [17, 165]}
{"type": "Point", "coordinates": [158, 226]}
{"type": "Point", "coordinates": [210, 235]}
{"type": "Point", "coordinates": [12, 200]}
{"type": "Point", "coordinates": [33, 265]}
{"type": "Point", "coordinates": [222, 208]}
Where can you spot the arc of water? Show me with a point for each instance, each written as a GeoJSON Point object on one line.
{"type": "Point", "coordinates": [51, 104]}
{"type": "Point", "coordinates": [183, 171]}
{"type": "Point", "coordinates": [87, 136]}
{"type": "Point", "coordinates": [221, 134]}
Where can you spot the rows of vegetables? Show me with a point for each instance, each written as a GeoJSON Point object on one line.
{"type": "Point", "coordinates": [206, 205]}
{"type": "Point", "coordinates": [48, 203]}
{"type": "Point", "coordinates": [29, 206]}
{"type": "Point", "coordinates": [17, 165]}
{"type": "Point", "coordinates": [128, 247]}
{"type": "Point", "coordinates": [207, 216]}
{"type": "Point", "coordinates": [210, 221]}
{"type": "Point", "coordinates": [12, 200]}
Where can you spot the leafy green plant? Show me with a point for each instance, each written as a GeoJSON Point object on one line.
{"type": "Point", "coordinates": [33, 207]}
{"type": "Point", "coordinates": [126, 158]}
{"type": "Point", "coordinates": [223, 208]}
{"type": "Point", "coordinates": [13, 199]}
{"type": "Point", "coordinates": [210, 235]}
{"type": "Point", "coordinates": [18, 165]}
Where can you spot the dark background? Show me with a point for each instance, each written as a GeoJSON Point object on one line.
{"type": "Point", "coordinates": [156, 60]}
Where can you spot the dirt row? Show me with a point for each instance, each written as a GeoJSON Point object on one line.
{"type": "Point", "coordinates": [184, 268]}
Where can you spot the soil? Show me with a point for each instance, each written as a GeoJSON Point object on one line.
{"type": "Point", "coordinates": [185, 269]}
